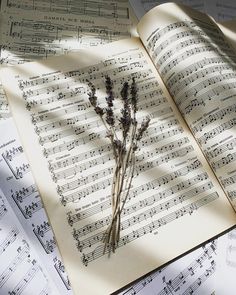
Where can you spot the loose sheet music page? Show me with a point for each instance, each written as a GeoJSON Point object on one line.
{"type": "Point", "coordinates": [19, 188]}
{"type": "Point", "coordinates": [174, 193]}
{"type": "Point", "coordinates": [198, 67]}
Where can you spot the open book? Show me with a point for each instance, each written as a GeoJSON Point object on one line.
{"type": "Point", "coordinates": [184, 188]}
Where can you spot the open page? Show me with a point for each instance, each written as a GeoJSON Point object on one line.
{"type": "Point", "coordinates": [21, 269]}
{"type": "Point", "coordinates": [39, 29]}
{"type": "Point", "coordinates": [173, 195]}
{"type": "Point", "coordinates": [198, 67]}
{"type": "Point", "coordinates": [18, 186]}
{"type": "Point", "coordinates": [194, 273]}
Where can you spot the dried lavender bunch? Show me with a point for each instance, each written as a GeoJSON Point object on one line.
{"type": "Point", "coordinates": [124, 135]}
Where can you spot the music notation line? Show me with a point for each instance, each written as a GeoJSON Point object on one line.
{"type": "Point", "coordinates": [201, 72]}
{"type": "Point", "coordinates": [24, 192]}
{"type": "Point", "coordinates": [183, 44]}
{"type": "Point", "coordinates": [223, 161]}
{"type": "Point", "coordinates": [12, 153]}
{"type": "Point", "coordinates": [60, 268]}
{"type": "Point", "coordinates": [73, 218]}
{"type": "Point", "coordinates": [190, 52]}
{"type": "Point", "coordinates": [73, 129]}
{"type": "Point", "coordinates": [221, 149]}
{"type": "Point", "coordinates": [215, 115]}
{"type": "Point", "coordinates": [149, 228]}
{"type": "Point", "coordinates": [70, 76]}
{"type": "Point", "coordinates": [173, 285]}
{"type": "Point", "coordinates": [210, 95]}
{"type": "Point", "coordinates": [232, 195]}
{"type": "Point", "coordinates": [87, 8]}
{"type": "Point", "coordinates": [191, 289]}
{"type": "Point", "coordinates": [227, 181]}
{"type": "Point", "coordinates": [107, 172]}
{"type": "Point", "coordinates": [191, 26]}
{"type": "Point", "coordinates": [31, 273]}
{"type": "Point", "coordinates": [201, 66]}
{"type": "Point", "coordinates": [3, 210]}
{"type": "Point", "coordinates": [141, 284]}
{"type": "Point", "coordinates": [216, 131]}
{"type": "Point", "coordinates": [144, 215]}
{"type": "Point", "coordinates": [76, 196]}
{"type": "Point", "coordinates": [183, 96]}
{"type": "Point", "coordinates": [77, 118]}
{"type": "Point", "coordinates": [42, 229]}
{"type": "Point", "coordinates": [22, 253]}
{"type": "Point", "coordinates": [92, 136]}
{"type": "Point", "coordinates": [9, 240]}
{"type": "Point", "coordinates": [72, 161]}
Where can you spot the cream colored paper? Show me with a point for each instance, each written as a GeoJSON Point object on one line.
{"type": "Point", "coordinates": [197, 64]}
{"type": "Point", "coordinates": [149, 239]}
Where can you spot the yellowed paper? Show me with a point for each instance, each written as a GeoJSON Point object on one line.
{"type": "Point", "coordinates": [174, 194]}
{"type": "Point", "coordinates": [197, 65]}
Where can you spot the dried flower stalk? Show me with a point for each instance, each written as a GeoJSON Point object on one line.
{"type": "Point", "coordinates": [124, 135]}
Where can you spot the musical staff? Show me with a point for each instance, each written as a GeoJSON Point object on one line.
{"type": "Point", "coordinates": [3, 209]}
{"type": "Point", "coordinates": [9, 240]}
{"type": "Point", "coordinates": [70, 161]}
{"type": "Point", "coordinates": [224, 161]}
{"type": "Point", "coordinates": [149, 201]}
{"type": "Point", "coordinates": [45, 236]}
{"type": "Point", "coordinates": [76, 196]}
{"type": "Point", "coordinates": [17, 170]}
{"type": "Point", "coordinates": [143, 216]}
{"type": "Point", "coordinates": [201, 279]}
{"type": "Point", "coordinates": [204, 91]}
{"type": "Point", "coordinates": [149, 228]}
{"type": "Point", "coordinates": [217, 115]}
{"type": "Point", "coordinates": [218, 130]}
{"type": "Point", "coordinates": [29, 210]}
{"type": "Point", "coordinates": [38, 31]}
{"type": "Point", "coordinates": [113, 10]}
{"type": "Point", "coordinates": [61, 271]}
{"type": "Point", "coordinates": [108, 171]}
{"type": "Point", "coordinates": [221, 149]}
{"type": "Point", "coordinates": [22, 253]}
{"type": "Point", "coordinates": [74, 153]}
{"type": "Point", "coordinates": [177, 277]}
{"type": "Point", "coordinates": [32, 272]}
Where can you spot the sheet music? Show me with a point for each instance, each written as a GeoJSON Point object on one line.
{"type": "Point", "coordinates": [21, 270]}
{"type": "Point", "coordinates": [75, 162]}
{"type": "Point", "coordinates": [194, 273]}
{"type": "Point", "coordinates": [221, 10]}
{"type": "Point", "coordinates": [226, 263]}
{"type": "Point", "coordinates": [140, 7]}
{"type": "Point", "coordinates": [38, 29]}
{"type": "Point", "coordinates": [21, 192]}
{"type": "Point", "coordinates": [203, 89]}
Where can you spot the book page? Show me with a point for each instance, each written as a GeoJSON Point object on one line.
{"type": "Point", "coordinates": [20, 268]}
{"type": "Point", "coordinates": [34, 30]}
{"type": "Point", "coordinates": [229, 30]}
{"type": "Point", "coordinates": [173, 195]}
{"type": "Point", "coordinates": [194, 273]}
{"type": "Point", "coordinates": [198, 67]}
{"type": "Point", "coordinates": [19, 188]}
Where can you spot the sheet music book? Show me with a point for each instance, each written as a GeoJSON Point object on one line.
{"type": "Point", "coordinates": [184, 187]}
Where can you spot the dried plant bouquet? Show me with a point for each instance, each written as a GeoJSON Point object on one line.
{"type": "Point", "coordinates": [124, 134]}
